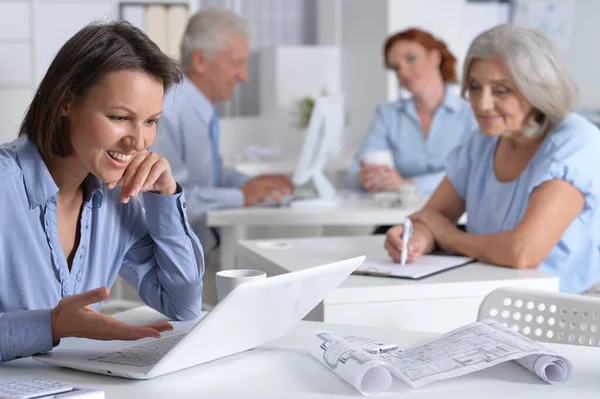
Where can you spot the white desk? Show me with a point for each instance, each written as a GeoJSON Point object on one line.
{"type": "Point", "coordinates": [233, 223]}
{"type": "Point", "coordinates": [286, 165]}
{"type": "Point", "coordinates": [284, 370]}
{"type": "Point", "coordinates": [437, 303]}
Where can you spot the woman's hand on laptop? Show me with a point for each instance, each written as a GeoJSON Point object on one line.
{"type": "Point", "coordinates": [73, 317]}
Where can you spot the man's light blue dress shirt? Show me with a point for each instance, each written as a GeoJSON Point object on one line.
{"type": "Point", "coordinates": [569, 152]}
{"type": "Point", "coordinates": [396, 127]}
{"type": "Point", "coordinates": [155, 251]}
{"type": "Point", "coordinates": [188, 138]}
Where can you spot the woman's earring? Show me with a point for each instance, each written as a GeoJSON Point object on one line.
{"type": "Point", "coordinates": [533, 126]}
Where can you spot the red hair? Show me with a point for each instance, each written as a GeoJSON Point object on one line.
{"type": "Point", "coordinates": [427, 40]}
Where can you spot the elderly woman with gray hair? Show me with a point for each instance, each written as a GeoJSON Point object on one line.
{"type": "Point", "coordinates": [530, 180]}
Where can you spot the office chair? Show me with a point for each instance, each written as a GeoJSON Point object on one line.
{"type": "Point", "coordinates": [545, 316]}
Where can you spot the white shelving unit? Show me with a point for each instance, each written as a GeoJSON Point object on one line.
{"type": "Point", "coordinates": [31, 32]}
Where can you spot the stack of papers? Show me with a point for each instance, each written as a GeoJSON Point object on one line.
{"type": "Point", "coordinates": [467, 349]}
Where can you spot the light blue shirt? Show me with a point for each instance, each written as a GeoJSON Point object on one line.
{"type": "Point", "coordinates": [396, 127]}
{"type": "Point", "coordinates": [569, 152]}
{"type": "Point", "coordinates": [184, 139]}
{"type": "Point", "coordinates": [155, 251]}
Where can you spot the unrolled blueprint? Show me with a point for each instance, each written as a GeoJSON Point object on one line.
{"type": "Point", "coordinates": [462, 351]}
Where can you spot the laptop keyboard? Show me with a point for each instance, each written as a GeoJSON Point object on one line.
{"type": "Point", "coordinates": [141, 355]}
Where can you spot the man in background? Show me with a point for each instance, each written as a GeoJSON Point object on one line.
{"type": "Point", "coordinates": [214, 56]}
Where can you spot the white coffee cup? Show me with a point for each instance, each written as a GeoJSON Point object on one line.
{"type": "Point", "coordinates": [227, 280]}
{"type": "Point", "coordinates": [381, 157]}
{"type": "Point", "coordinates": [408, 190]}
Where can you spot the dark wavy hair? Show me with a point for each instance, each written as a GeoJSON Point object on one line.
{"type": "Point", "coordinates": [83, 61]}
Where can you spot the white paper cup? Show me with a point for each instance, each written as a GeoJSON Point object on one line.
{"type": "Point", "coordinates": [382, 157]}
{"type": "Point", "coordinates": [227, 280]}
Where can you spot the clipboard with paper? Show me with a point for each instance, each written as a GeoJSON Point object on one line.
{"type": "Point", "coordinates": [425, 266]}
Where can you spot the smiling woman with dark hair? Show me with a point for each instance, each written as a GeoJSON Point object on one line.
{"type": "Point", "coordinates": [70, 188]}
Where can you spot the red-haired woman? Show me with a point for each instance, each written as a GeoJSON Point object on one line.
{"type": "Point", "coordinates": [419, 131]}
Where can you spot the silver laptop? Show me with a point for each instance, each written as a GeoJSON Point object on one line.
{"type": "Point", "coordinates": [253, 314]}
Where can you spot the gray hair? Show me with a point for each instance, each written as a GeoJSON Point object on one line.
{"type": "Point", "coordinates": [534, 66]}
{"type": "Point", "coordinates": [207, 31]}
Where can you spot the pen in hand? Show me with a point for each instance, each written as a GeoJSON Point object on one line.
{"type": "Point", "coordinates": [406, 234]}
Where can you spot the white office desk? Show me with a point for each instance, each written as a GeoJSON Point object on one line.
{"type": "Point", "coordinates": [437, 303]}
{"type": "Point", "coordinates": [283, 369]}
{"type": "Point", "coordinates": [286, 165]}
{"type": "Point", "coordinates": [234, 223]}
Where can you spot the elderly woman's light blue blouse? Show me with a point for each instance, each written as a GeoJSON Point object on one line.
{"type": "Point", "coordinates": [396, 127]}
{"type": "Point", "coordinates": [570, 153]}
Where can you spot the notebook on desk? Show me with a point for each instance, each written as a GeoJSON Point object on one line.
{"type": "Point", "coordinates": [425, 266]}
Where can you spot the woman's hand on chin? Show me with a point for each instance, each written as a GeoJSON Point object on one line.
{"type": "Point", "coordinates": [148, 171]}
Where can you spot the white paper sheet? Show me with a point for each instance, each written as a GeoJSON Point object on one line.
{"type": "Point", "coordinates": [422, 267]}
{"type": "Point", "coordinates": [462, 351]}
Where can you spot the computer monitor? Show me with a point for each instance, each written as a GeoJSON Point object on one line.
{"type": "Point", "coordinates": [324, 132]}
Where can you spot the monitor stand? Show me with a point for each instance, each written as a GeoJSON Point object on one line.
{"type": "Point", "coordinates": [327, 196]}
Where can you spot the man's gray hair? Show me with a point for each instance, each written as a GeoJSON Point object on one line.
{"type": "Point", "coordinates": [207, 31]}
{"type": "Point", "coordinates": [534, 66]}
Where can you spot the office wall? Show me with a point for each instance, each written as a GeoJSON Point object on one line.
{"type": "Point", "coordinates": [15, 71]}
{"type": "Point", "coordinates": [582, 57]}
{"type": "Point", "coordinates": [71, 17]}
{"type": "Point", "coordinates": [329, 22]}
{"type": "Point", "coordinates": [365, 25]}
{"type": "Point", "coordinates": [364, 82]}
{"type": "Point", "coordinates": [445, 19]}
{"type": "Point", "coordinates": [31, 32]}
{"type": "Point", "coordinates": [288, 74]}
